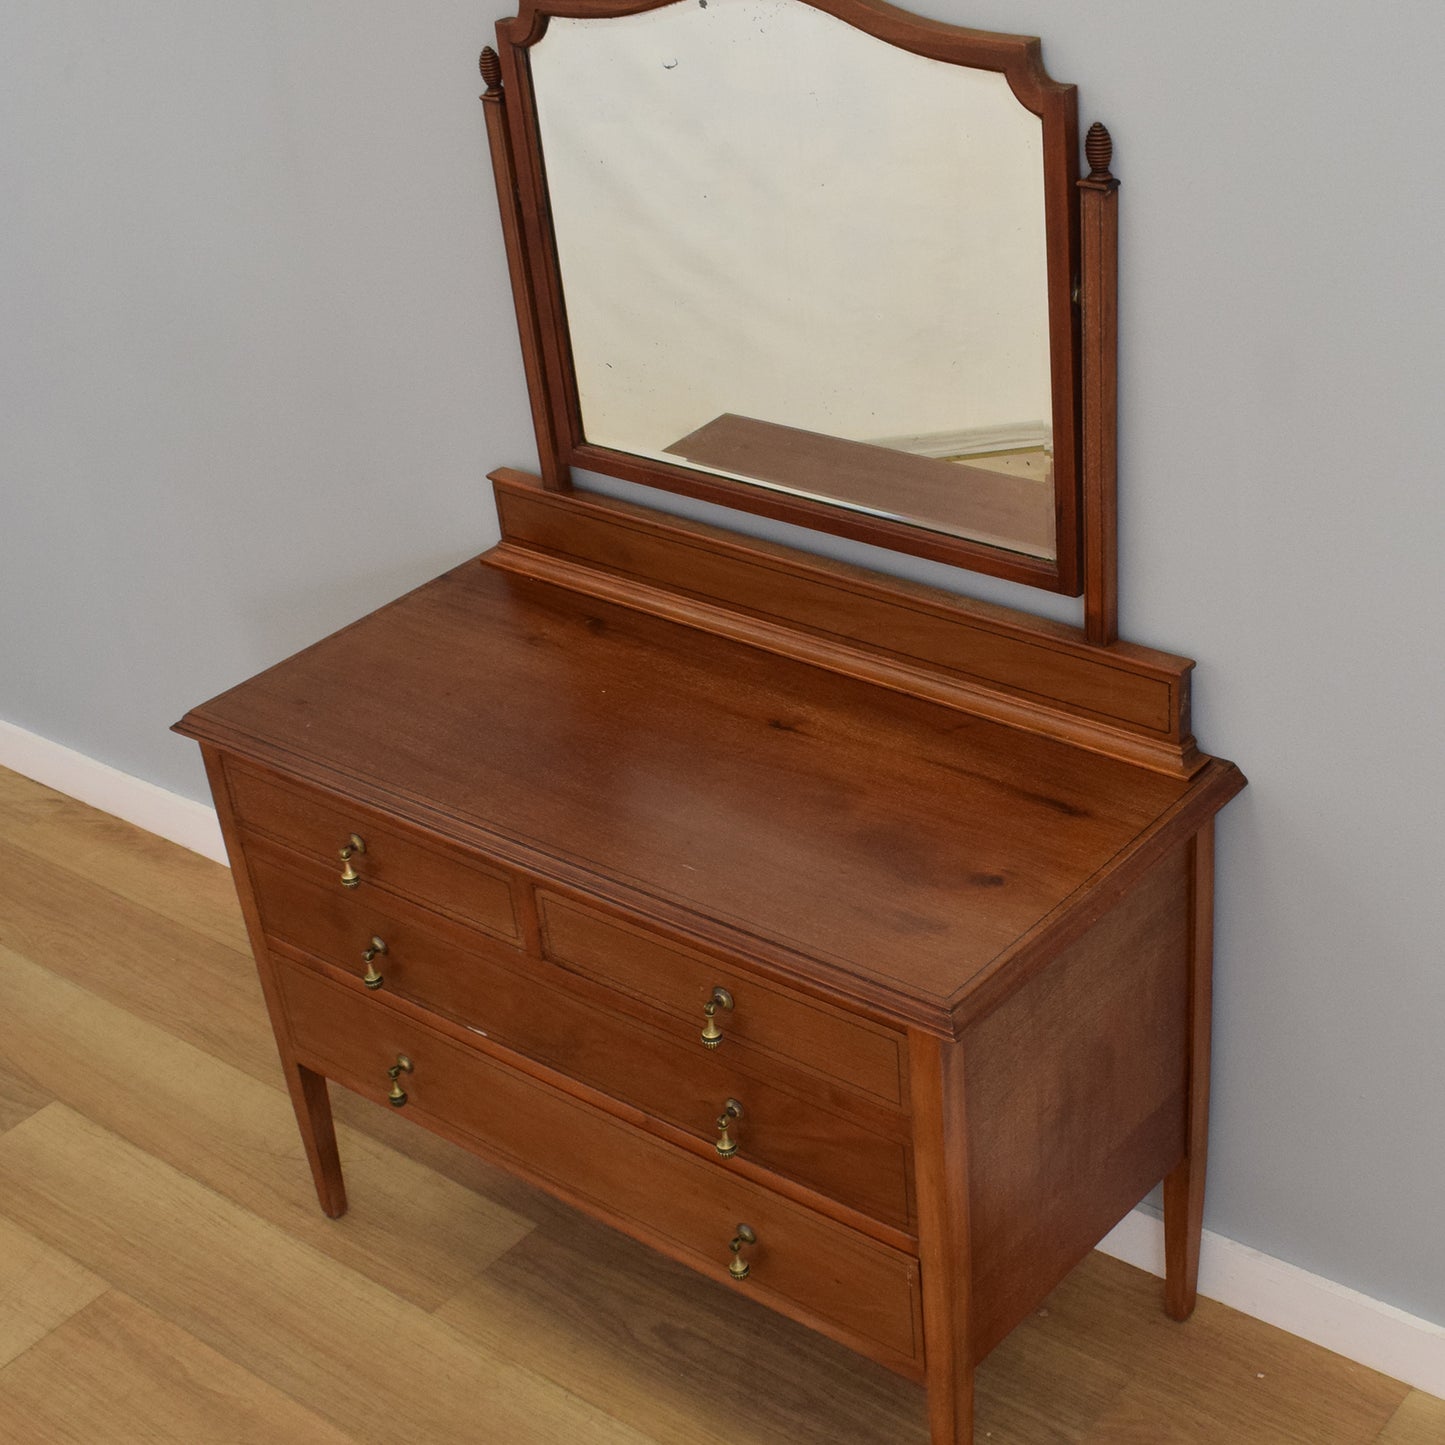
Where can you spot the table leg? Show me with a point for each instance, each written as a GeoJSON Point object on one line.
{"type": "Point", "coordinates": [941, 1177]}
{"type": "Point", "coordinates": [1184, 1185]}
{"type": "Point", "coordinates": [318, 1136]}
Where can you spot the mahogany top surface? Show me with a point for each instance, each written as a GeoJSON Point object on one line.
{"type": "Point", "coordinates": [900, 843]}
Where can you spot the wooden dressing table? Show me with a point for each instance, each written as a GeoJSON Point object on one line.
{"type": "Point", "coordinates": [843, 939]}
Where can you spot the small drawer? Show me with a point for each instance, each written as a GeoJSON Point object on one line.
{"type": "Point", "coordinates": [393, 857]}
{"type": "Point", "coordinates": [832, 1277]}
{"type": "Point", "coordinates": [808, 1033]}
{"type": "Point", "coordinates": [850, 1155]}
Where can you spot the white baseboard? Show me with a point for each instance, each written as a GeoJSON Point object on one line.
{"type": "Point", "coordinates": [1307, 1305]}
{"type": "Point", "coordinates": [193, 825]}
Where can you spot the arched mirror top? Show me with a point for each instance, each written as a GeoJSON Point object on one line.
{"type": "Point", "coordinates": [814, 259]}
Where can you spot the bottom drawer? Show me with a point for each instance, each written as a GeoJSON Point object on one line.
{"type": "Point", "coordinates": [821, 1272]}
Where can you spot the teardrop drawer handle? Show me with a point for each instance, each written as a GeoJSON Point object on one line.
{"type": "Point", "coordinates": [711, 1033]}
{"type": "Point", "coordinates": [726, 1145]}
{"type": "Point", "coordinates": [349, 876]}
{"type": "Point", "coordinates": [738, 1267]}
{"type": "Point", "coordinates": [397, 1096]}
{"type": "Point", "coordinates": [372, 977]}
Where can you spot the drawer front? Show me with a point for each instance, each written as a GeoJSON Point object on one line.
{"type": "Point", "coordinates": [809, 1266]}
{"type": "Point", "coordinates": [855, 1051]}
{"type": "Point", "coordinates": [395, 858]}
{"type": "Point", "coordinates": [498, 991]}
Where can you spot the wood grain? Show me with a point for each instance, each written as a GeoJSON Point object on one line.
{"type": "Point", "coordinates": [675, 1356]}
{"type": "Point", "coordinates": [1223, 1377]}
{"type": "Point", "coordinates": [825, 1143]}
{"type": "Point", "coordinates": [1137, 688]}
{"type": "Point", "coordinates": [946, 1235]}
{"type": "Point", "coordinates": [1076, 1097]}
{"type": "Point", "coordinates": [117, 1373]}
{"type": "Point", "coordinates": [1099, 294]}
{"type": "Point", "coordinates": [271, 1303]}
{"type": "Point", "coordinates": [882, 847]}
{"type": "Point", "coordinates": [395, 861]}
{"type": "Point", "coordinates": [139, 867]}
{"type": "Point", "coordinates": [574, 1310]}
{"type": "Point", "coordinates": [807, 1265]}
{"type": "Point", "coordinates": [132, 955]}
{"type": "Point", "coordinates": [39, 1288]}
{"type": "Point", "coordinates": [416, 1235]}
{"type": "Point", "coordinates": [19, 1097]}
{"type": "Point", "coordinates": [810, 1033]}
{"type": "Point", "coordinates": [1420, 1420]}
{"type": "Point", "coordinates": [1184, 1184]}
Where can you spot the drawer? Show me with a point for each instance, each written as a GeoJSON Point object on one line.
{"type": "Point", "coordinates": [395, 859]}
{"type": "Point", "coordinates": [820, 1271]}
{"type": "Point", "coordinates": [842, 1153]}
{"type": "Point", "coordinates": [808, 1033]}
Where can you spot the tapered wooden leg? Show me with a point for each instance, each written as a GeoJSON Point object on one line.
{"type": "Point", "coordinates": [1184, 1186]}
{"type": "Point", "coordinates": [318, 1136]}
{"type": "Point", "coordinates": [307, 1088]}
{"type": "Point", "coordinates": [941, 1177]}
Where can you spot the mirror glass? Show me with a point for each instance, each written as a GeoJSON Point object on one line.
{"type": "Point", "coordinates": [796, 256]}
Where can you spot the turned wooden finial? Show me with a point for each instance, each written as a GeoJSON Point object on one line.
{"type": "Point", "coordinates": [1099, 151]}
{"type": "Point", "coordinates": [491, 68]}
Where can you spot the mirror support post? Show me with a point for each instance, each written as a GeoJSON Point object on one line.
{"type": "Point", "coordinates": [499, 142]}
{"type": "Point", "coordinates": [1099, 293]}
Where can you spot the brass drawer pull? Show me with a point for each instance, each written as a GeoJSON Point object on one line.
{"type": "Point", "coordinates": [349, 876]}
{"type": "Point", "coordinates": [397, 1095]}
{"type": "Point", "coordinates": [738, 1267]}
{"type": "Point", "coordinates": [711, 1033]}
{"type": "Point", "coordinates": [726, 1145]}
{"type": "Point", "coordinates": [372, 977]}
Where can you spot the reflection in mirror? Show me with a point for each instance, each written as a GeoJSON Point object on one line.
{"type": "Point", "coordinates": [797, 256]}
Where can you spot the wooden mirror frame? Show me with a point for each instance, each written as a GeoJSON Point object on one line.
{"type": "Point", "coordinates": [1079, 351]}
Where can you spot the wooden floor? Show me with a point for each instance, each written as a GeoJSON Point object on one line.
{"type": "Point", "coordinates": [166, 1276]}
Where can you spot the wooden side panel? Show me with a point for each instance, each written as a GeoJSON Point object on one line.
{"type": "Point", "coordinates": [1077, 1089]}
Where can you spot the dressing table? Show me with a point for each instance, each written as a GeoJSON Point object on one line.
{"type": "Point", "coordinates": [842, 938]}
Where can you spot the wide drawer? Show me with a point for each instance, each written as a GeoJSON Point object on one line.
{"type": "Point", "coordinates": [497, 991]}
{"type": "Point", "coordinates": [395, 858]}
{"type": "Point", "coordinates": [810, 1034]}
{"type": "Point", "coordinates": [819, 1271]}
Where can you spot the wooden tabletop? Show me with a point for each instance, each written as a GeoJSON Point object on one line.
{"type": "Point", "coordinates": [756, 800]}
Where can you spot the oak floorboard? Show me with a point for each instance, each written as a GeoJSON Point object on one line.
{"type": "Point", "coordinates": [138, 866]}
{"type": "Point", "coordinates": [410, 1230]}
{"type": "Point", "coordinates": [40, 1288]}
{"type": "Point", "coordinates": [374, 1366]}
{"type": "Point", "coordinates": [118, 1374]}
{"type": "Point", "coordinates": [1221, 1376]}
{"type": "Point", "coordinates": [19, 1097]}
{"type": "Point", "coordinates": [1420, 1420]}
{"type": "Point", "coordinates": [138, 958]}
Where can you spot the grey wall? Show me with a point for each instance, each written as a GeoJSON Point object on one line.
{"type": "Point", "coordinates": [258, 353]}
